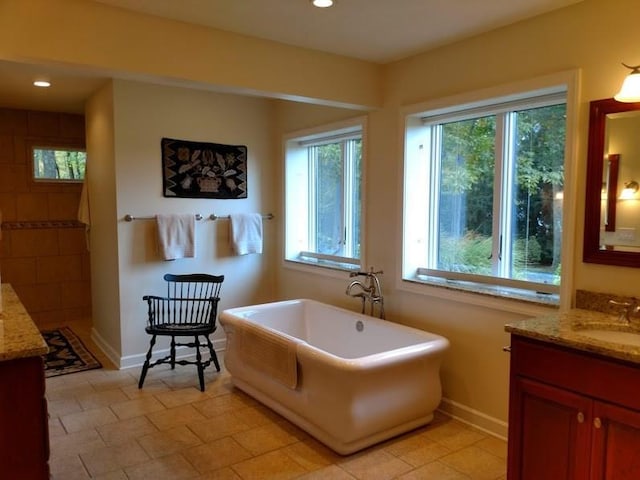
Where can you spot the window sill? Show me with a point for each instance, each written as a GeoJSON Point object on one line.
{"type": "Point", "coordinates": [492, 296]}
{"type": "Point", "coordinates": [322, 267]}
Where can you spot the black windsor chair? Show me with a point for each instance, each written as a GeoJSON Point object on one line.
{"type": "Point", "coordinates": [190, 309]}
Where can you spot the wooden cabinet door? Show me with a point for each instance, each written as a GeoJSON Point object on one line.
{"type": "Point", "coordinates": [616, 442]}
{"type": "Point", "coordinates": [24, 435]}
{"type": "Point", "coordinates": [549, 432]}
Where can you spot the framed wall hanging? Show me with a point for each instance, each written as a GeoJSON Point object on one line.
{"type": "Point", "coordinates": [203, 170]}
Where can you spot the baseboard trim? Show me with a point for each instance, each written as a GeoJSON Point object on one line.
{"type": "Point", "coordinates": [104, 346]}
{"type": "Point", "coordinates": [473, 417]}
{"type": "Point", "coordinates": [133, 361]}
{"type": "Point", "coordinates": [182, 353]}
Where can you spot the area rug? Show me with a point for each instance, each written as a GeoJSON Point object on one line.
{"type": "Point", "coordinates": [67, 353]}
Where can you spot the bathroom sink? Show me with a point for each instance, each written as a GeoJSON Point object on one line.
{"type": "Point", "coordinates": [613, 336]}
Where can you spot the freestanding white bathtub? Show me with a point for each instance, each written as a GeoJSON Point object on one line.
{"type": "Point", "coordinates": [347, 379]}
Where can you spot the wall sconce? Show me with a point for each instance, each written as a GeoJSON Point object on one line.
{"type": "Point", "coordinates": [629, 191]}
{"type": "Point", "coordinates": [630, 91]}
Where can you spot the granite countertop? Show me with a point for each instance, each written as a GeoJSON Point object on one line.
{"type": "Point", "coordinates": [19, 336]}
{"type": "Point", "coordinates": [565, 329]}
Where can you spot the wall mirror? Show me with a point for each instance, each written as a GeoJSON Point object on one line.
{"type": "Point", "coordinates": [612, 206]}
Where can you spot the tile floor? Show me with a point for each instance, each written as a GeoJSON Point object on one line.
{"type": "Point", "coordinates": [103, 427]}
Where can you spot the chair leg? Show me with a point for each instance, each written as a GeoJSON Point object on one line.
{"type": "Point", "coordinates": [212, 353]}
{"type": "Point", "coordinates": [199, 364]}
{"type": "Point", "coordinates": [173, 352]}
{"type": "Point", "coordinates": [145, 366]}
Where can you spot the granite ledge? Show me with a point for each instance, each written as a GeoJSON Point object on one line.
{"type": "Point", "coordinates": [564, 329]}
{"type": "Point", "coordinates": [19, 336]}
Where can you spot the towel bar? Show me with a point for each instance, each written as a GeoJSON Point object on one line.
{"type": "Point", "coordinates": [213, 216]}
{"type": "Point", "coordinates": [131, 218]}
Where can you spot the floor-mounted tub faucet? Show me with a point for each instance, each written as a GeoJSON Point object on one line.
{"type": "Point", "coordinates": [369, 291]}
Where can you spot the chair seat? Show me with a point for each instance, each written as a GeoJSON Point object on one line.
{"type": "Point", "coordinates": [180, 329]}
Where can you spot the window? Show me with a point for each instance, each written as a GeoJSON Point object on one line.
{"type": "Point", "coordinates": [483, 194]}
{"type": "Point", "coordinates": [58, 164]}
{"type": "Point", "coordinates": [324, 197]}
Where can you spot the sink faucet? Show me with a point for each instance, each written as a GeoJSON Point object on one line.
{"type": "Point", "coordinates": [369, 291]}
{"type": "Point", "coordinates": [629, 309]}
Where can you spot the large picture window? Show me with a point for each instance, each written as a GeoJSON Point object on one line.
{"type": "Point", "coordinates": [324, 197]}
{"type": "Point", "coordinates": [484, 193]}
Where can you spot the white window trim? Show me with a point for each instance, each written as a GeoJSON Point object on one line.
{"type": "Point", "coordinates": [409, 115]}
{"type": "Point", "coordinates": [308, 136]}
{"type": "Point", "coordinates": [61, 145]}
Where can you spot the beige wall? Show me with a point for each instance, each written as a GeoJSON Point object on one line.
{"type": "Point", "coordinates": [143, 114]}
{"type": "Point", "coordinates": [126, 122]}
{"type": "Point", "coordinates": [101, 179]}
{"type": "Point", "coordinates": [475, 371]}
{"type": "Point", "coordinates": [43, 251]}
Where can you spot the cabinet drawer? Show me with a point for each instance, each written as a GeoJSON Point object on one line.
{"type": "Point", "coordinates": [582, 372]}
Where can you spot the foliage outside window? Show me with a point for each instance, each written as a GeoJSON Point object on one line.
{"type": "Point", "coordinates": [59, 164]}
{"type": "Point", "coordinates": [324, 198]}
{"type": "Point", "coordinates": [483, 194]}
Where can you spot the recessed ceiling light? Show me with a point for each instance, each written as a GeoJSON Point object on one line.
{"type": "Point", "coordinates": [322, 3]}
{"type": "Point", "coordinates": [42, 83]}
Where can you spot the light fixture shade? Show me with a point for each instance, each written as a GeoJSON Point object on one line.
{"type": "Point", "coordinates": [630, 91]}
{"type": "Point", "coordinates": [629, 191]}
{"type": "Point", "coordinates": [322, 3]}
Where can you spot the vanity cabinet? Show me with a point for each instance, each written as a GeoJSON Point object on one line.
{"type": "Point", "coordinates": [24, 428]}
{"type": "Point", "coordinates": [24, 434]}
{"type": "Point", "coordinates": [573, 415]}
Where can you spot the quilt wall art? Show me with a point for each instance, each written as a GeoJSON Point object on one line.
{"type": "Point", "coordinates": [203, 170]}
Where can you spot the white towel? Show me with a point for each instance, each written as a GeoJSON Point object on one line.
{"type": "Point", "coordinates": [84, 211]}
{"type": "Point", "coordinates": [176, 237]}
{"type": "Point", "coordinates": [246, 233]}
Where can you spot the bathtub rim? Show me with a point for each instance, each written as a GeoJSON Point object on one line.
{"type": "Point", "coordinates": [432, 344]}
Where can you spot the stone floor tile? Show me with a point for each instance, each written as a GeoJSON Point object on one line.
{"type": "Point", "coordinates": [170, 441]}
{"type": "Point", "coordinates": [434, 470]}
{"type": "Point", "coordinates": [125, 430]}
{"type": "Point", "coordinates": [275, 465]}
{"type": "Point", "coordinates": [103, 398]}
{"type": "Point", "coordinates": [174, 417]}
{"type": "Point", "coordinates": [374, 464]}
{"type": "Point", "coordinates": [225, 473]}
{"type": "Point", "coordinates": [311, 454]}
{"type": "Point", "coordinates": [65, 406]}
{"type": "Point", "coordinates": [173, 467]}
{"type": "Point", "coordinates": [218, 427]}
{"type": "Point", "coordinates": [478, 464]}
{"type": "Point", "coordinates": [183, 396]}
{"type": "Point", "coordinates": [75, 422]}
{"type": "Point", "coordinates": [494, 446]}
{"type": "Point", "coordinates": [332, 472]}
{"type": "Point", "coordinates": [217, 454]}
{"type": "Point", "coordinates": [454, 435]}
{"type": "Point", "coordinates": [75, 443]}
{"type": "Point", "coordinates": [114, 458]}
{"type": "Point", "coordinates": [137, 407]}
{"type": "Point", "coordinates": [263, 439]}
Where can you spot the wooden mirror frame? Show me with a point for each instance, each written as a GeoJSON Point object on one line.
{"type": "Point", "coordinates": [598, 111]}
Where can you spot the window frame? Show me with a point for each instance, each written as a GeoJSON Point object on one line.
{"type": "Point", "coordinates": [46, 144]}
{"type": "Point", "coordinates": [493, 295]}
{"type": "Point", "coordinates": [296, 167]}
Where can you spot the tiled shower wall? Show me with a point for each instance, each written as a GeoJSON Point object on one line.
{"type": "Point", "coordinates": [43, 251]}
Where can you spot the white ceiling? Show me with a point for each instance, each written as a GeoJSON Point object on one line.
{"type": "Point", "coordinates": [374, 30]}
